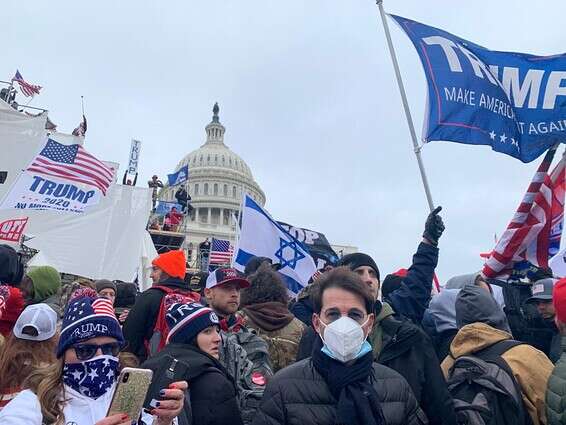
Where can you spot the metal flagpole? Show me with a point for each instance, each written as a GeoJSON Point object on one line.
{"type": "Point", "coordinates": [416, 146]}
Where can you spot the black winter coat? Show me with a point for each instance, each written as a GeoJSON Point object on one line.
{"type": "Point", "coordinates": [212, 393]}
{"type": "Point", "coordinates": [139, 325]}
{"type": "Point", "coordinates": [412, 297]}
{"type": "Point", "coordinates": [408, 351]}
{"type": "Point", "coordinates": [298, 395]}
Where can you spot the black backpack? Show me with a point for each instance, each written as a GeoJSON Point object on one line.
{"type": "Point", "coordinates": [484, 389]}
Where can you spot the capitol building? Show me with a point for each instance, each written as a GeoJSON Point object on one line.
{"type": "Point", "coordinates": [217, 179]}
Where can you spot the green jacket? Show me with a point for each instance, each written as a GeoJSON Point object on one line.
{"type": "Point", "coordinates": [556, 391]}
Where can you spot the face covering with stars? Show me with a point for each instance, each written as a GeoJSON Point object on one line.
{"type": "Point", "coordinates": [92, 378]}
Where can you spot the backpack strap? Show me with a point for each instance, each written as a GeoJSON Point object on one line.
{"type": "Point", "coordinates": [493, 354]}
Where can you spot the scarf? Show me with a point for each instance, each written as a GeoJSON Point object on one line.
{"type": "Point", "coordinates": [382, 311]}
{"type": "Point", "coordinates": [269, 316]}
{"type": "Point", "coordinates": [231, 323]}
{"type": "Point", "coordinates": [358, 403]}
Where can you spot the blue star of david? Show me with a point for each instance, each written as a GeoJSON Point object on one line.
{"type": "Point", "coordinates": [288, 262]}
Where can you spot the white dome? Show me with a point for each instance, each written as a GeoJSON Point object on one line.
{"type": "Point", "coordinates": [216, 174]}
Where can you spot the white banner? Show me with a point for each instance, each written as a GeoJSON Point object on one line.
{"type": "Point", "coordinates": [36, 192]}
{"type": "Point", "coordinates": [21, 137]}
{"type": "Point", "coordinates": [108, 241]}
{"type": "Point", "coordinates": [558, 264]}
{"type": "Point", "coordinates": [134, 156]}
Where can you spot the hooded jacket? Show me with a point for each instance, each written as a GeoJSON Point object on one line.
{"type": "Point", "coordinates": [299, 395]}
{"type": "Point", "coordinates": [212, 392]}
{"type": "Point", "coordinates": [405, 348]}
{"type": "Point", "coordinates": [139, 325]}
{"type": "Point", "coordinates": [275, 324]}
{"type": "Point", "coordinates": [11, 268]}
{"type": "Point", "coordinates": [531, 368]}
{"type": "Point", "coordinates": [78, 409]}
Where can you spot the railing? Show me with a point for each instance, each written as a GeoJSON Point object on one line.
{"type": "Point", "coordinates": [8, 95]}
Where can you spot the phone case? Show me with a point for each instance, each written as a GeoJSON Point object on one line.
{"type": "Point", "coordinates": [170, 370]}
{"type": "Point", "coordinates": [130, 392]}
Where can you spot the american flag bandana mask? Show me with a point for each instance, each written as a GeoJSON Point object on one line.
{"type": "Point", "coordinates": [92, 378]}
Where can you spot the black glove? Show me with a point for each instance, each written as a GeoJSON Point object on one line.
{"type": "Point", "coordinates": [434, 227]}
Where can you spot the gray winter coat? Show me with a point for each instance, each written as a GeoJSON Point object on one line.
{"type": "Point", "coordinates": [298, 395]}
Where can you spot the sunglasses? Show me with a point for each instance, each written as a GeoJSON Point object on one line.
{"type": "Point", "coordinates": [88, 351]}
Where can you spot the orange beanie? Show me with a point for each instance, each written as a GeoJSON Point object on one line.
{"type": "Point", "coordinates": [172, 263]}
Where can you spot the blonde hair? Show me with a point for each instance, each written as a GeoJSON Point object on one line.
{"type": "Point", "coordinates": [47, 385]}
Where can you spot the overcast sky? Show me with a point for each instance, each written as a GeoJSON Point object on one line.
{"type": "Point", "coordinates": [308, 97]}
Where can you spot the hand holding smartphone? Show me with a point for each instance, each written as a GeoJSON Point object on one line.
{"type": "Point", "coordinates": [131, 391]}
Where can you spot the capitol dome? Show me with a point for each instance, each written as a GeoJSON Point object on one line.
{"type": "Point", "coordinates": [217, 179]}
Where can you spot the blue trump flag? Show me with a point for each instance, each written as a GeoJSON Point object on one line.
{"type": "Point", "coordinates": [179, 177]}
{"type": "Point", "coordinates": [262, 236]}
{"type": "Point", "coordinates": [513, 102]}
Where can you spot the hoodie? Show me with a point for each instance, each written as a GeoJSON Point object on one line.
{"type": "Point", "coordinates": [481, 324]}
{"type": "Point", "coordinates": [475, 304]}
{"type": "Point", "coordinates": [78, 409]}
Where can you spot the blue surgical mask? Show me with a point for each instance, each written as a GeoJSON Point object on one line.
{"type": "Point", "coordinates": [366, 348]}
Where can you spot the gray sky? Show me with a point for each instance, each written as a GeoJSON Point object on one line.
{"type": "Point", "coordinates": [308, 97]}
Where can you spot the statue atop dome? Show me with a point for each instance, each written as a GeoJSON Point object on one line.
{"type": "Point", "coordinates": [215, 110]}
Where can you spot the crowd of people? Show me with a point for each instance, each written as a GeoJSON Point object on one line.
{"type": "Point", "coordinates": [235, 348]}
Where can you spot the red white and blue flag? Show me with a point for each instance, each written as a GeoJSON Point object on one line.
{"type": "Point", "coordinates": [72, 162]}
{"type": "Point", "coordinates": [27, 88]}
{"type": "Point", "coordinates": [221, 252]}
{"type": "Point", "coordinates": [536, 228]}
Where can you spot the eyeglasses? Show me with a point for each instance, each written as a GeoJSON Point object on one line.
{"type": "Point", "coordinates": [88, 351]}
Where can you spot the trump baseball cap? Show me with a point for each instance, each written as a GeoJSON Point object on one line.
{"type": "Point", "coordinates": [224, 275]}
{"type": "Point", "coordinates": [542, 290]}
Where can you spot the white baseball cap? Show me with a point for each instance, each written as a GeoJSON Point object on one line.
{"type": "Point", "coordinates": [39, 317]}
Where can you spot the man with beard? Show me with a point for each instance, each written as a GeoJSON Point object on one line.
{"type": "Point", "coordinates": [542, 298]}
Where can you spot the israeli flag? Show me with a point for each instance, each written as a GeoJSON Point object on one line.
{"type": "Point", "coordinates": [179, 177]}
{"type": "Point", "coordinates": [262, 236]}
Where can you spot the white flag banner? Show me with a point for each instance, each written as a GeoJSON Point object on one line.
{"type": "Point", "coordinates": [558, 264]}
{"type": "Point", "coordinates": [262, 236]}
{"type": "Point", "coordinates": [64, 178]}
{"type": "Point", "coordinates": [35, 192]}
{"type": "Point", "coordinates": [135, 150]}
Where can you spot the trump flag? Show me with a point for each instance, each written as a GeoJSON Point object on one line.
{"type": "Point", "coordinates": [513, 102]}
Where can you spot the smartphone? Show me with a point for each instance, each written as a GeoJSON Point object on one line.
{"type": "Point", "coordinates": [130, 393]}
{"type": "Point", "coordinates": [170, 370]}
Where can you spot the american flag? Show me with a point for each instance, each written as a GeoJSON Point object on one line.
{"type": "Point", "coordinates": [72, 162]}
{"type": "Point", "coordinates": [81, 129]}
{"type": "Point", "coordinates": [531, 231]}
{"type": "Point", "coordinates": [221, 252]}
{"type": "Point", "coordinates": [27, 88]}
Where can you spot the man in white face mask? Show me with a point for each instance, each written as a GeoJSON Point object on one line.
{"type": "Point", "coordinates": [340, 383]}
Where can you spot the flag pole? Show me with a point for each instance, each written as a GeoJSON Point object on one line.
{"type": "Point", "coordinates": [416, 146]}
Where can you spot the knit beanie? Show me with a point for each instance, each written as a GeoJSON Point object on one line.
{"type": "Point", "coordinates": [358, 259]}
{"type": "Point", "coordinates": [185, 321]}
{"type": "Point", "coordinates": [11, 268]}
{"type": "Point", "coordinates": [559, 299]}
{"type": "Point", "coordinates": [13, 307]}
{"type": "Point", "coordinates": [86, 317]}
{"type": "Point", "coordinates": [105, 284]}
{"type": "Point", "coordinates": [46, 282]}
{"type": "Point", "coordinates": [172, 263]}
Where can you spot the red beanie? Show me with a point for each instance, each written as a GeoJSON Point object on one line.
{"type": "Point", "coordinates": [172, 263]}
{"type": "Point", "coordinates": [13, 307]}
{"type": "Point", "coordinates": [559, 299]}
